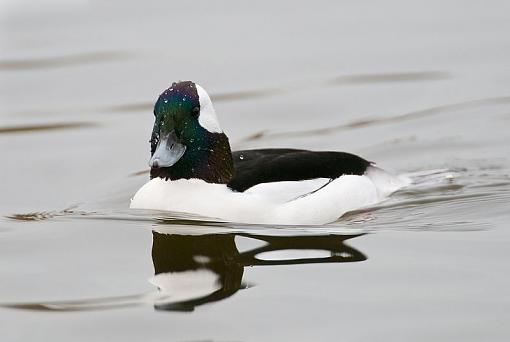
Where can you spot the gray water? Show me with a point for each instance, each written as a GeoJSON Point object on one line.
{"type": "Point", "coordinates": [419, 88]}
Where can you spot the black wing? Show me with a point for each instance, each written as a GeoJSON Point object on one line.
{"type": "Point", "coordinates": [253, 167]}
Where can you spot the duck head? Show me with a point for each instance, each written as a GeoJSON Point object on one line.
{"type": "Point", "coordinates": [187, 140]}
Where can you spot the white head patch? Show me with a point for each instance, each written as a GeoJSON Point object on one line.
{"type": "Point", "coordinates": [207, 117]}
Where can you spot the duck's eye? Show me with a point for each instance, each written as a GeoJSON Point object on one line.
{"type": "Point", "coordinates": [196, 111]}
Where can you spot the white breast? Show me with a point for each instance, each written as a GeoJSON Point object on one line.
{"type": "Point", "coordinates": [316, 201]}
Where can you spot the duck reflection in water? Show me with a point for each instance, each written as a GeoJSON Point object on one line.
{"type": "Point", "coordinates": [197, 269]}
{"type": "Point", "coordinates": [191, 270]}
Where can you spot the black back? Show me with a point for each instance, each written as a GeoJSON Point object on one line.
{"type": "Point", "coordinates": [253, 167]}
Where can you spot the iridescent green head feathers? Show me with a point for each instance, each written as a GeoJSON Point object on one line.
{"type": "Point", "coordinates": [187, 141]}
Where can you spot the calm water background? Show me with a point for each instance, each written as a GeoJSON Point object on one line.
{"type": "Point", "coordinates": [414, 86]}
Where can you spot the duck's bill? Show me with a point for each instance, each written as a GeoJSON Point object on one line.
{"type": "Point", "coordinates": [168, 151]}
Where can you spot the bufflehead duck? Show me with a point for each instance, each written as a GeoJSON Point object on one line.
{"type": "Point", "coordinates": [194, 171]}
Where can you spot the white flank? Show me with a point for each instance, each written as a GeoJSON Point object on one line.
{"type": "Point", "coordinates": [270, 203]}
{"type": "Point", "coordinates": [207, 117]}
{"type": "Point", "coordinates": [287, 191]}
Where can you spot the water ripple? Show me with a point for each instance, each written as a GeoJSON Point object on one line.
{"type": "Point", "coordinates": [372, 121]}
{"type": "Point", "coordinates": [45, 127]}
{"type": "Point", "coordinates": [62, 61]}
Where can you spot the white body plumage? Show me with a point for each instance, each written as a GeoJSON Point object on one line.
{"type": "Point", "coordinates": [316, 201]}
